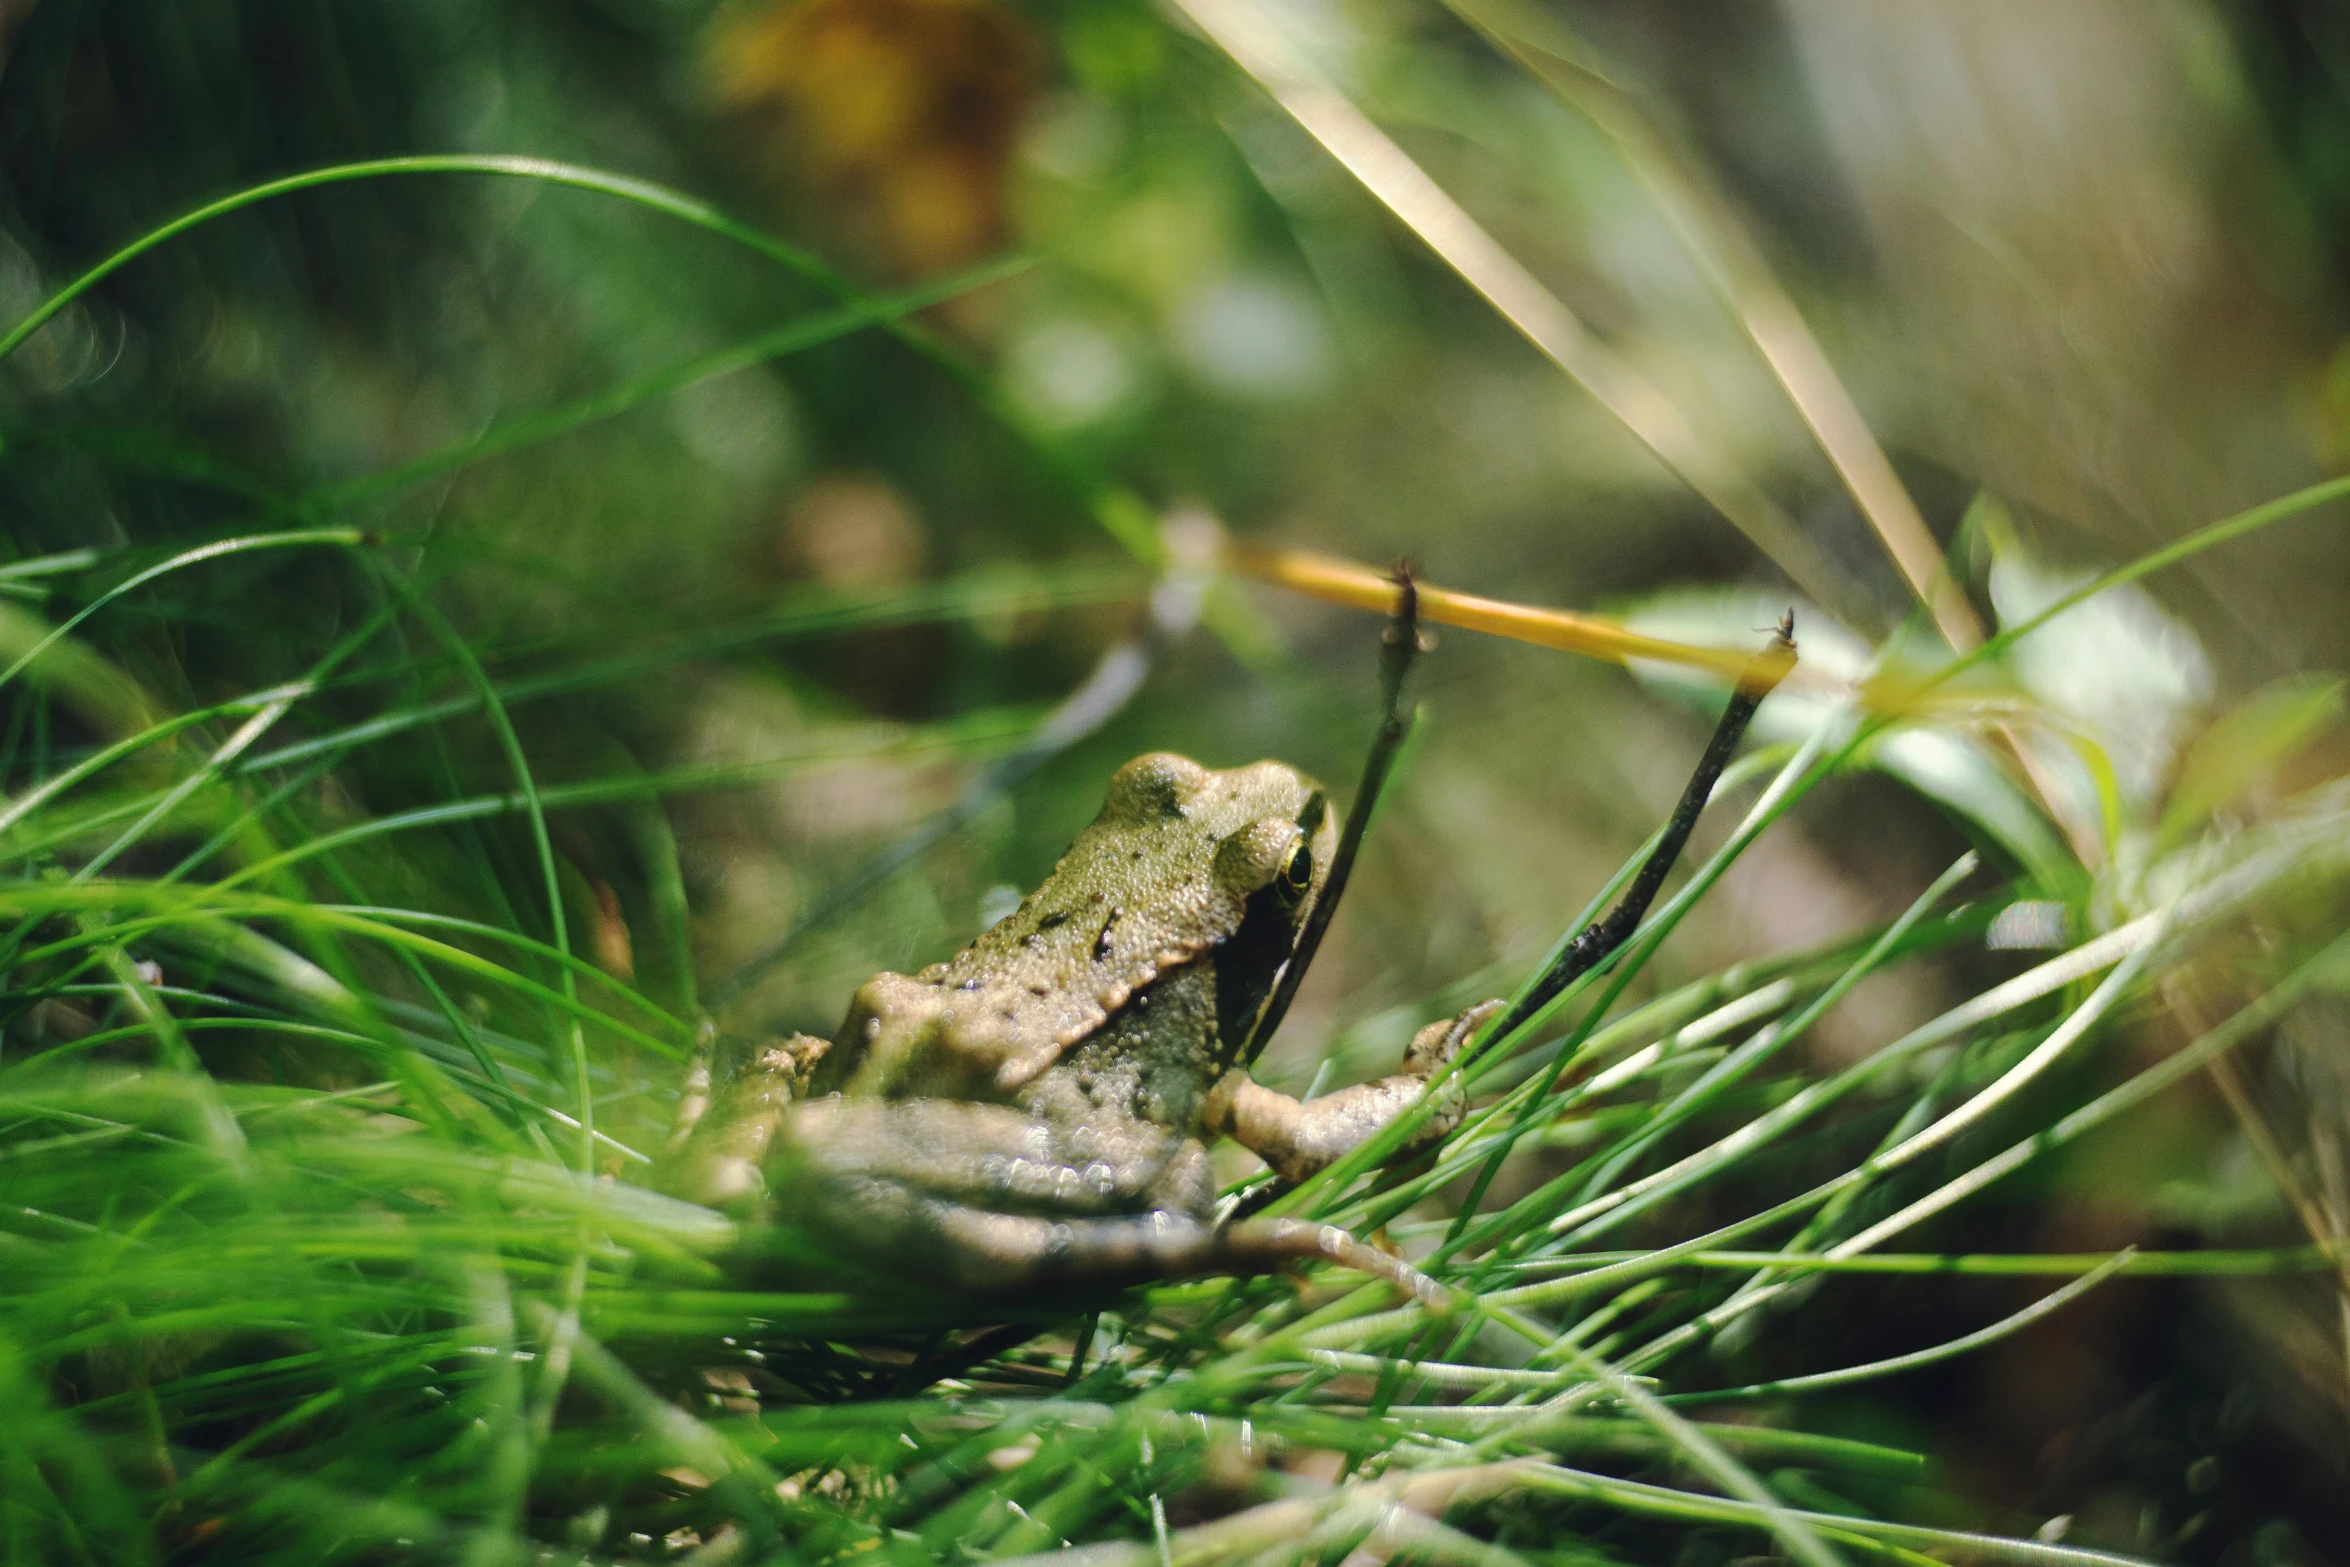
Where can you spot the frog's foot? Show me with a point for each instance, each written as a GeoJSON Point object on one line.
{"type": "Point", "coordinates": [990, 1252]}
{"type": "Point", "coordinates": [1299, 1137]}
{"type": "Point", "coordinates": [1259, 1245]}
{"type": "Point", "coordinates": [723, 1132]}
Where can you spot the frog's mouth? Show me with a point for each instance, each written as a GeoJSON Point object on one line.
{"type": "Point", "coordinates": [1251, 966]}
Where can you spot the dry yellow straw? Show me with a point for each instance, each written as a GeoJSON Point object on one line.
{"type": "Point", "coordinates": [1358, 586]}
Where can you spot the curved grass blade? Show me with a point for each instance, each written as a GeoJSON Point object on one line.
{"type": "Point", "coordinates": [1894, 1365]}
{"type": "Point", "coordinates": [1114, 508]}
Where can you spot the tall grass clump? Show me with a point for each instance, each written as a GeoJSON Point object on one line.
{"type": "Point", "coordinates": [342, 1022]}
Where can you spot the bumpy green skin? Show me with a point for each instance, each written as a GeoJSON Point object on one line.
{"type": "Point", "coordinates": [1166, 876]}
{"type": "Point", "coordinates": [1033, 1110]}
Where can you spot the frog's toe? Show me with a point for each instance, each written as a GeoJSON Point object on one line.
{"type": "Point", "coordinates": [1434, 1047]}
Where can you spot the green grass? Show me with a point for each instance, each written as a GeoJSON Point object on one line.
{"type": "Point", "coordinates": [319, 1131]}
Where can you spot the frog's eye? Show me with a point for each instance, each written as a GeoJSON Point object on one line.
{"type": "Point", "coordinates": [1297, 874]}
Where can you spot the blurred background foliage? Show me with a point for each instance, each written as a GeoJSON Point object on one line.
{"type": "Point", "coordinates": [2082, 267]}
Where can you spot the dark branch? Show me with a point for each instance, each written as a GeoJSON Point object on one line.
{"type": "Point", "coordinates": [1398, 647]}
{"type": "Point", "coordinates": [1593, 945]}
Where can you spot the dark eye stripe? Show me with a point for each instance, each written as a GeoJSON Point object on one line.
{"type": "Point", "coordinates": [1309, 820]}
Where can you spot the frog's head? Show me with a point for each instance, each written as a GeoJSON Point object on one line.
{"type": "Point", "coordinates": [1265, 831]}
{"type": "Point", "coordinates": [1268, 837]}
{"type": "Point", "coordinates": [1184, 863]}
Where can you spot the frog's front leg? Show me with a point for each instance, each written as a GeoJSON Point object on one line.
{"type": "Point", "coordinates": [1299, 1137]}
{"type": "Point", "coordinates": [720, 1142]}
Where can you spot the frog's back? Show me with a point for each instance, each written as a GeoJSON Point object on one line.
{"type": "Point", "coordinates": [1161, 877]}
{"type": "Point", "coordinates": [1149, 1065]}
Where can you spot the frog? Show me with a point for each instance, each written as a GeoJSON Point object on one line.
{"type": "Point", "coordinates": [1035, 1113]}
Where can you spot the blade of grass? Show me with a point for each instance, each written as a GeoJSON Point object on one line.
{"type": "Point", "coordinates": [1529, 1212]}
{"type": "Point", "coordinates": [346, 538]}
{"type": "Point", "coordinates": [110, 895]}
{"type": "Point", "coordinates": [977, 732]}
{"type": "Point", "coordinates": [2320, 969]}
{"type": "Point", "coordinates": [2264, 1260]}
{"type": "Point", "coordinates": [1114, 508]}
{"type": "Point", "coordinates": [1735, 266]}
{"type": "Point", "coordinates": [1894, 1365]}
{"type": "Point", "coordinates": [1748, 1057]}
{"type": "Point", "coordinates": [828, 613]}
{"type": "Point", "coordinates": [1256, 44]}
{"type": "Point", "coordinates": [795, 337]}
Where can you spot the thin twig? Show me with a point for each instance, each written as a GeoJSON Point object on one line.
{"type": "Point", "coordinates": [1603, 936]}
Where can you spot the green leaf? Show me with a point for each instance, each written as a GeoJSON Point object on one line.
{"type": "Point", "coordinates": [2245, 746]}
